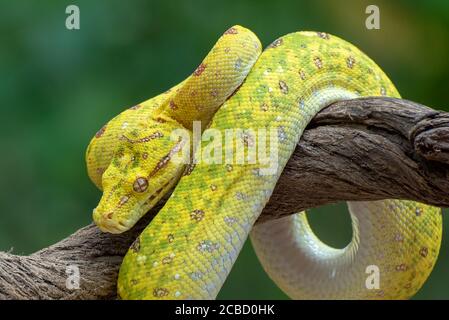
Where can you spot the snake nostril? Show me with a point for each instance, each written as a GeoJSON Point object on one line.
{"type": "Point", "coordinates": [108, 215]}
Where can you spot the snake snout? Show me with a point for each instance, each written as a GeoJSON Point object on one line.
{"type": "Point", "coordinates": [106, 223]}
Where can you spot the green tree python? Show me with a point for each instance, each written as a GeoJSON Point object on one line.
{"type": "Point", "coordinates": [189, 248]}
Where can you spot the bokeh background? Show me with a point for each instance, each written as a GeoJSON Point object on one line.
{"type": "Point", "coordinates": [57, 87]}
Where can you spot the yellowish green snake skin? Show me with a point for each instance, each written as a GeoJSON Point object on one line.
{"type": "Point", "coordinates": [189, 248]}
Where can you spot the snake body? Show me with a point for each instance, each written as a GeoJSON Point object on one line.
{"type": "Point", "coordinates": [189, 248]}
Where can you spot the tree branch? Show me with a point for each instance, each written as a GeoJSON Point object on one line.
{"type": "Point", "coordinates": [361, 149]}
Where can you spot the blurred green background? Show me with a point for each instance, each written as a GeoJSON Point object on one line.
{"type": "Point", "coordinates": [57, 87]}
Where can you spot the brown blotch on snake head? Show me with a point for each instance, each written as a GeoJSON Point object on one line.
{"type": "Point", "coordinates": [123, 200]}
{"type": "Point", "coordinates": [166, 159]}
{"type": "Point", "coordinates": [161, 164]}
{"type": "Point", "coordinates": [152, 136]}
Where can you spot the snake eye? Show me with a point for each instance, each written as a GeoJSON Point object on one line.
{"type": "Point", "coordinates": [140, 184]}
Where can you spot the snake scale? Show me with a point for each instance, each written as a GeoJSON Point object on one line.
{"type": "Point", "coordinates": [189, 248]}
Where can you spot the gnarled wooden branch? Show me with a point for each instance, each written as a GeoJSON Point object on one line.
{"type": "Point", "coordinates": [362, 149]}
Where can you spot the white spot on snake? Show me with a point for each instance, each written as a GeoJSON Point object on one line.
{"type": "Point", "coordinates": [401, 267]}
{"type": "Point", "coordinates": [195, 276]}
{"type": "Point", "coordinates": [124, 125]}
{"type": "Point", "coordinates": [177, 294]}
{"type": "Point", "coordinates": [141, 259]}
{"type": "Point", "coordinates": [172, 255]}
{"type": "Point", "coordinates": [240, 196]}
{"type": "Point", "coordinates": [155, 264]}
{"type": "Point", "coordinates": [238, 64]}
{"type": "Point", "coordinates": [281, 134]}
{"type": "Point", "coordinates": [270, 89]}
{"type": "Point", "coordinates": [229, 220]}
{"type": "Point", "coordinates": [208, 246]}
{"type": "Point", "coordinates": [176, 276]}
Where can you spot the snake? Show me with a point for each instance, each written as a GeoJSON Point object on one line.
{"type": "Point", "coordinates": [198, 139]}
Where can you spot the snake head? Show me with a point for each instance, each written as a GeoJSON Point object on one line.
{"type": "Point", "coordinates": [146, 165]}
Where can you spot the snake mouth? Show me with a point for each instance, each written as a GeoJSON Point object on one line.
{"type": "Point", "coordinates": [112, 226]}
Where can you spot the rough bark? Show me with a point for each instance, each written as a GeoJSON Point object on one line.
{"type": "Point", "coordinates": [361, 149]}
